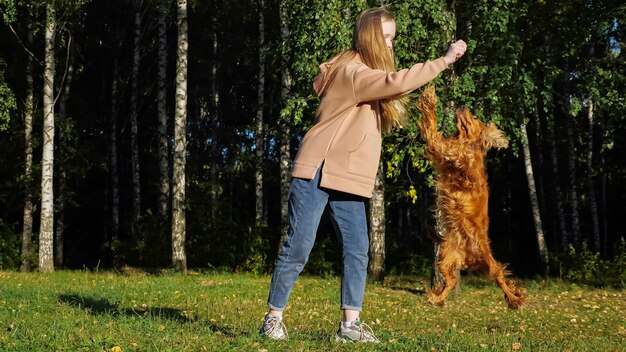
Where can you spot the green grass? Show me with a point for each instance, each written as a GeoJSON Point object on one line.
{"type": "Point", "coordinates": [85, 311]}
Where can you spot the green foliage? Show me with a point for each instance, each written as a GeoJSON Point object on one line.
{"type": "Point", "coordinates": [230, 246]}
{"type": "Point", "coordinates": [8, 102]}
{"type": "Point", "coordinates": [318, 31]}
{"type": "Point", "coordinates": [10, 244]}
{"type": "Point", "coordinates": [618, 264]}
{"type": "Point", "coordinates": [584, 266]}
{"type": "Point", "coordinates": [254, 251]}
{"type": "Point", "coordinates": [8, 10]}
{"type": "Point", "coordinates": [514, 65]}
{"type": "Point", "coordinates": [155, 242]}
{"type": "Point", "coordinates": [295, 108]}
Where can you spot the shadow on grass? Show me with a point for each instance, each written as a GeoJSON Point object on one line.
{"type": "Point", "coordinates": [95, 306]}
{"type": "Point", "coordinates": [405, 283]}
{"type": "Point", "coordinates": [415, 291]}
{"type": "Point", "coordinates": [471, 279]}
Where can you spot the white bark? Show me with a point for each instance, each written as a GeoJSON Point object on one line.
{"type": "Point", "coordinates": [539, 162]}
{"type": "Point", "coordinates": [46, 229]}
{"type": "Point", "coordinates": [27, 228]}
{"type": "Point", "coordinates": [534, 203]}
{"type": "Point", "coordinates": [376, 267]}
{"type": "Point", "coordinates": [179, 258]}
{"type": "Point", "coordinates": [590, 187]}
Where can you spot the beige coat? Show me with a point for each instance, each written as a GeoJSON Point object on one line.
{"type": "Point", "coordinates": [346, 136]}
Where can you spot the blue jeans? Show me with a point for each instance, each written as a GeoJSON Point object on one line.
{"type": "Point", "coordinates": [307, 201]}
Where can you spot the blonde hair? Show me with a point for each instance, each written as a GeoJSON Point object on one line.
{"type": "Point", "coordinates": [369, 43]}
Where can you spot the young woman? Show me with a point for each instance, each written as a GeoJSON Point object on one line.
{"type": "Point", "coordinates": [361, 96]}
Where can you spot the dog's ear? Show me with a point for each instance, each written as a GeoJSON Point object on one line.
{"type": "Point", "coordinates": [492, 137]}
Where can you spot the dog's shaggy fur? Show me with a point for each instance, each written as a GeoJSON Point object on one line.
{"type": "Point", "coordinates": [461, 198]}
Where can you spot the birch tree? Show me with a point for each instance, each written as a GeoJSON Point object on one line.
{"type": "Point", "coordinates": [164, 182]}
{"type": "Point", "coordinates": [376, 266]}
{"type": "Point", "coordinates": [27, 225]}
{"type": "Point", "coordinates": [595, 225]}
{"type": "Point", "coordinates": [537, 157]}
{"type": "Point", "coordinates": [46, 228]}
{"type": "Point", "coordinates": [179, 258]}
{"type": "Point", "coordinates": [534, 203]}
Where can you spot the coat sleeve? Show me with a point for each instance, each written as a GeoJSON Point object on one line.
{"type": "Point", "coordinates": [370, 84]}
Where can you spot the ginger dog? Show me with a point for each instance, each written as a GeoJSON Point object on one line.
{"type": "Point", "coordinates": [461, 198]}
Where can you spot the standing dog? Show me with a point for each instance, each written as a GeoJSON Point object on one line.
{"type": "Point", "coordinates": [461, 198]}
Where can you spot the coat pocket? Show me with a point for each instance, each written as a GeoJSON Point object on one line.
{"type": "Point", "coordinates": [363, 160]}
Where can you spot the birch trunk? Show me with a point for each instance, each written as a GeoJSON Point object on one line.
{"type": "Point", "coordinates": [27, 228]}
{"type": "Point", "coordinates": [285, 131]}
{"type": "Point", "coordinates": [590, 187]}
{"type": "Point", "coordinates": [46, 229]}
{"type": "Point", "coordinates": [539, 162]}
{"type": "Point", "coordinates": [448, 27]}
{"type": "Point", "coordinates": [534, 203]}
{"type": "Point", "coordinates": [179, 257]}
{"type": "Point", "coordinates": [134, 133]}
{"type": "Point", "coordinates": [164, 184]}
{"type": "Point", "coordinates": [258, 170]}
{"type": "Point", "coordinates": [376, 267]}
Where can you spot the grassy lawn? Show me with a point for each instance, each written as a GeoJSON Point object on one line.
{"type": "Point", "coordinates": [106, 311]}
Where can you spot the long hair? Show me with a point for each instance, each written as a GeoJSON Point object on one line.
{"type": "Point", "coordinates": [369, 43]}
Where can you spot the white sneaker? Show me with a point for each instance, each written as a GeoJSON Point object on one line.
{"type": "Point", "coordinates": [357, 332]}
{"type": "Point", "coordinates": [274, 328]}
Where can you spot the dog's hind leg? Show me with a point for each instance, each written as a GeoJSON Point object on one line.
{"type": "Point", "coordinates": [447, 266]}
{"type": "Point", "coordinates": [515, 297]}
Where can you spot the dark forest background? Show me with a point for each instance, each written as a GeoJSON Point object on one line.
{"type": "Point", "coordinates": [552, 73]}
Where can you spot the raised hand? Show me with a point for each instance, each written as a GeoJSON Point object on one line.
{"type": "Point", "coordinates": [455, 51]}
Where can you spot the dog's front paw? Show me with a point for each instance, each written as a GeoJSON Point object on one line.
{"type": "Point", "coordinates": [517, 298]}
{"type": "Point", "coordinates": [435, 299]}
{"type": "Point", "coordinates": [428, 99]}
